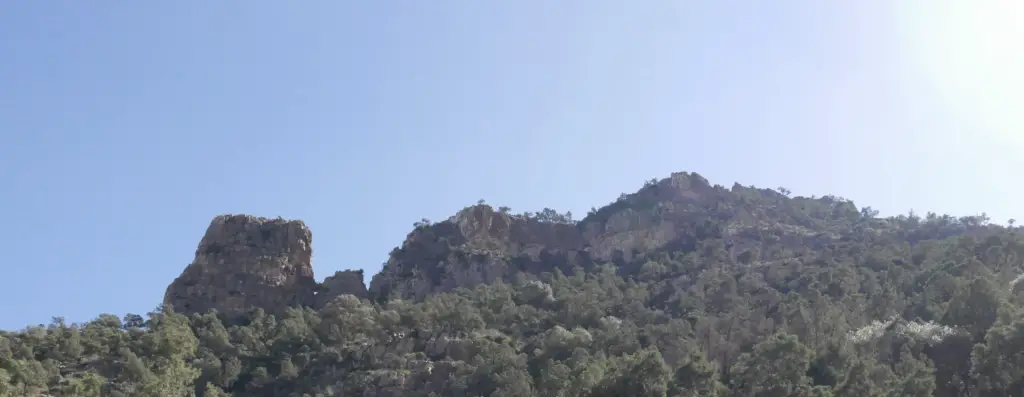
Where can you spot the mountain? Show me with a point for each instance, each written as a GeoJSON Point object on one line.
{"type": "Point", "coordinates": [683, 288]}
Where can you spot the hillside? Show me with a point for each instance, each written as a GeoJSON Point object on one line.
{"type": "Point", "coordinates": [683, 288]}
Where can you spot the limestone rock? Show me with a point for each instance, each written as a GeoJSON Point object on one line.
{"type": "Point", "coordinates": [345, 282]}
{"type": "Point", "coordinates": [481, 245]}
{"type": "Point", "coordinates": [478, 245]}
{"type": "Point", "coordinates": [246, 262]}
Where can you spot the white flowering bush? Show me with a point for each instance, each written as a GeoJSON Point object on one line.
{"type": "Point", "coordinates": [929, 331]}
{"type": "Point", "coordinates": [870, 332]}
{"type": "Point", "coordinates": [610, 322]}
{"type": "Point", "coordinates": [1015, 281]}
{"type": "Point", "coordinates": [922, 331]}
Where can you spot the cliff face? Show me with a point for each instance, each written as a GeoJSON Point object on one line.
{"type": "Point", "coordinates": [482, 245]}
{"type": "Point", "coordinates": [477, 245]}
{"type": "Point", "coordinates": [245, 262]}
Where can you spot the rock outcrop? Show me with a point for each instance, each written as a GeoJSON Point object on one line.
{"type": "Point", "coordinates": [345, 282]}
{"type": "Point", "coordinates": [246, 262]}
{"type": "Point", "coordinates": [481, 245]}
{"type": "Point", "coordinates": [477, 245]}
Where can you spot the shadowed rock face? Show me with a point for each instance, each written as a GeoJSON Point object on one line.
{"type": "Point", "coordinates": [345, 282]}
{"type": "Point", "coordinates": [478, 245]}
{"type": "Point", "coordinates": [482, 245]}
{"type": "Point", "coordinates": [246, 262]}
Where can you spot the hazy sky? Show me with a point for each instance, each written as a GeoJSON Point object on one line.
{"type": "Point", "coordinates": [125, 127]}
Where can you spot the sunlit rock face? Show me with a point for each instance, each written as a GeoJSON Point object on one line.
{"type": "Point", "coordinates": [245, 262]}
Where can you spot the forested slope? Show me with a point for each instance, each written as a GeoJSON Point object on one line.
{"type": "Point", "coordinates": [681, 289]}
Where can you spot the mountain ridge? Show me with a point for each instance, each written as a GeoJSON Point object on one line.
{"type": "Point", "coordinates": [682, 288]}
{"type": "Point", "coordinates": [481, 244]}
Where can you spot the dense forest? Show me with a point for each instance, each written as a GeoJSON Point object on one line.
{"type": "Point", "coordinates": [827, 300]}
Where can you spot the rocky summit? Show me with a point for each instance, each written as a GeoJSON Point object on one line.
{"type": "Point", "coordinates": [481, 244]}
{"type": "Point", "coordinates": [245, 262]}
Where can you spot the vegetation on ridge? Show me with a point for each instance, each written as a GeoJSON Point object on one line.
{"type": "Point", "coordinates": [773, 297]}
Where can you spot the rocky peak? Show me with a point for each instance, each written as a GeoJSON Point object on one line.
{"type": "Point", "coordinates": [485, 228]}
{"type": "Point", "coordinates": [481, 245]}
{"type": "Point", "coordinates": [477, 245]}
{"type": "Point", "coordinates": [246, 262]}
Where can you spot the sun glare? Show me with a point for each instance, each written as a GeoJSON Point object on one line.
{"type": "Point", "coordinates": [972, 53]}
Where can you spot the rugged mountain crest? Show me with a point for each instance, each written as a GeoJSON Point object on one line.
{"type": "Point", "coordinates": [482, 245]}
{"type": "Point", "coordinates": [246, 262]}
{"type": "Point", "coordinates": [682, 288]}
{"type": "Point", "coordinates": [674, 214]}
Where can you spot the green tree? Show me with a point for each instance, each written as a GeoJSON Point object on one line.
{"type": "Point", "coordinates": [777, 367]}
{"type": "Point", "coordinates": [696, 378]}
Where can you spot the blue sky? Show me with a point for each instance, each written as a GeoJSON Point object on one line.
{"type": "Point", "coordinates": [124, 128]}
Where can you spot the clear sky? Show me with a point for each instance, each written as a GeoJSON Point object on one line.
{"type": "Point", "coordinates": [125, 127]}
